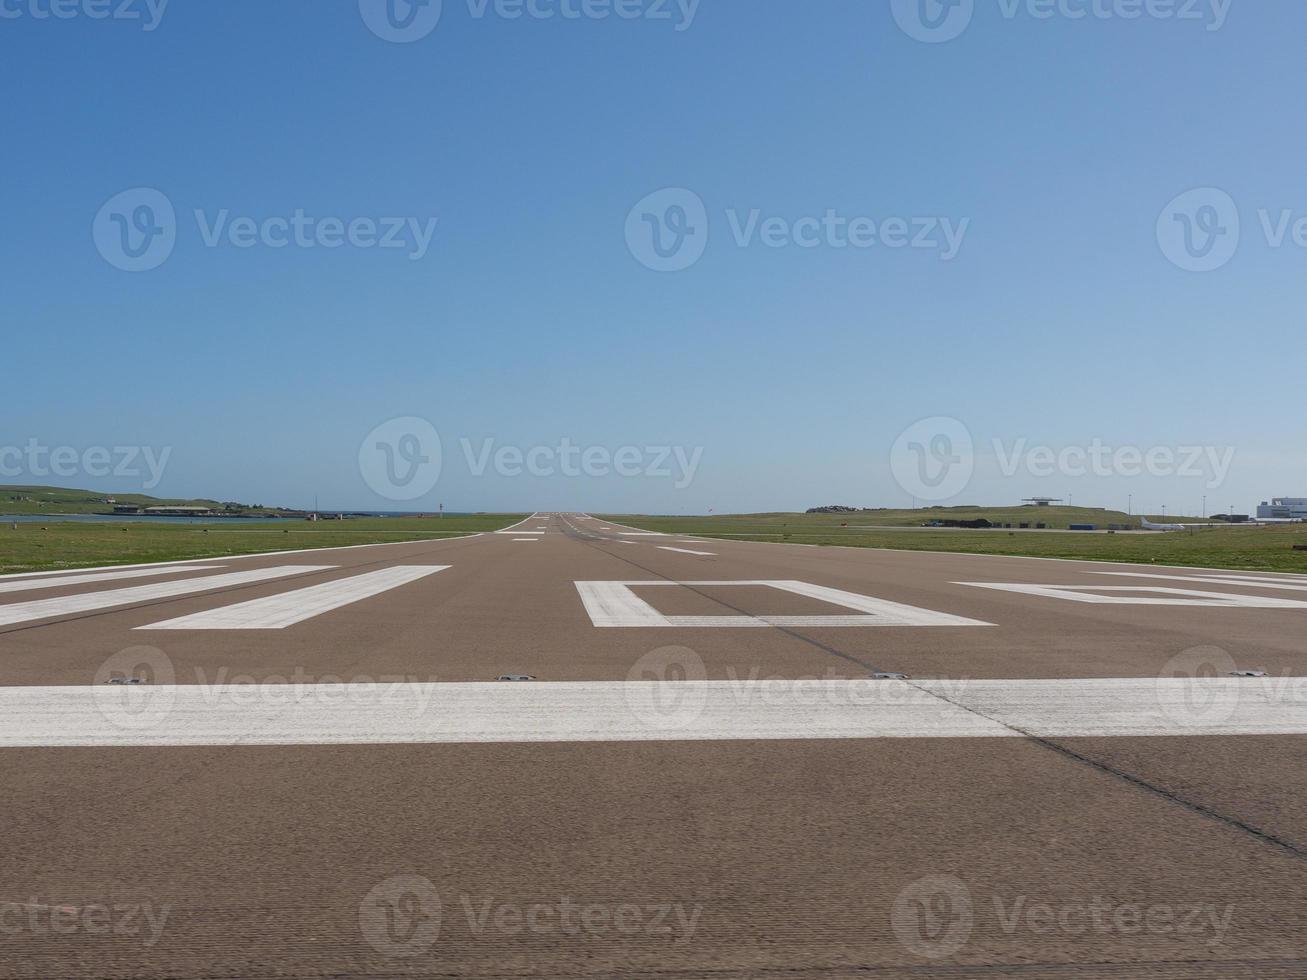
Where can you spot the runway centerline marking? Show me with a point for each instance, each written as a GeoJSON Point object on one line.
{"type": "Point", "coordinates": [416, 713]}
{"type": "Point", "coordinates": [614, 605]}
{"type": "Point", "coordinates": [687, 551]}
{"type": "Point", "coordinates": [1182, 597]}
{"type": "Point", "coordinates": [280, 611]}
{"type": "Point", "coordinates": [92, 579]}
{"type": "Point", "coordinates": [22, 612]}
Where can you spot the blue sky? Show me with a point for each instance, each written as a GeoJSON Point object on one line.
{"type": "Point", "coordinates": [1054, 144]}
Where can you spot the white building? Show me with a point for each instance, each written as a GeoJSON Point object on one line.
{"type": "Point", "coordinates": [1282, 508]}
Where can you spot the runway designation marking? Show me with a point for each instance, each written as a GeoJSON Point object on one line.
{"type": "Point", "coordinates": [279, 611]}
{"type": "Point", "coordinates": [1184, 597]}
{"type": "Point", "coordinates": [614, 605]}
{"type": "Point", "coordinates": [335, 714]}
{"type": "Point", "coordinates": [687, 551]}
{"type": "Point", "coordinates": [22, 612]}
{"type": "Point", "coordinates": [58, 583]}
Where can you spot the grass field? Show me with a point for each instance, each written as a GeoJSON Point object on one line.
{"type": "Point", "coordinates": [1247, 548]}
{"type": "Point", "coordinates": [44, 547]}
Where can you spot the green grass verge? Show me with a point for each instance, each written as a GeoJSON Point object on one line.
{"type": "Point", "coordinates": [46, 547]}
{"type": "Point", "coordinates": [1245, 548]}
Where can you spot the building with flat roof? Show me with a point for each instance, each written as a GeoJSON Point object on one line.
{"type": "Point", "coordinates": [1283, 508]}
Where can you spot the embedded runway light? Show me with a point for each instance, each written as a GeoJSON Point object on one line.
{"type": "Point", "coordinates": [1247, 673]}
{"type": "Point", "coordinates": [886, 675]}
{"type": "Point", "coordinates": [515, 677]}
{"type": "Point", "coordinates": [126, 680]}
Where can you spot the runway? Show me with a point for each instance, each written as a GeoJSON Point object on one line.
{"type": "Point", "coordinates": [705, 759]}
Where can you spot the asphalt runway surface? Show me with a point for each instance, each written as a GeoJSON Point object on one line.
{"type": "Point", "coordinates": [730, 760]}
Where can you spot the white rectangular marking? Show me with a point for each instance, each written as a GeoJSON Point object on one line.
{"type": "Point", "coordinates": [279, 611]}
{"type": "Point", "coordinates": [614, 605]}
{"type": "Point", "coordinates": [92, 579]}
{"type": "Point", "coordinates": [1243, 580]}
{"type": "Point", "coordinates": [22, 612]}
{"type": "Point", "coordinates": [336, 714]}
{"type": "Point", "coordinates": [687, 551]}
{"type": "Point", "coordinates": [1188, 597]}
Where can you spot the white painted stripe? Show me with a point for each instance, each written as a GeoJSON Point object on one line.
{"type": "Point", "coordinates": [1187, 597]}
{"type": "Point", "coordinates": [1246, 581]}
{"type": "Point", "coordinates": [279, 611]}
{"type": "Point", "coordinates": [22, 612]}
{"type": "Point", "coordinates": [614, 605]}
{"type": "Point", "coordinates": [59, 583]}
{"type": "Point", "coordinates": [686, 551]}
{"type": "Point", "coordinates": [283, 714]}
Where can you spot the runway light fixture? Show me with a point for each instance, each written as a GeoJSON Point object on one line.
{"type": "Point", "coordinates": [515, 677]}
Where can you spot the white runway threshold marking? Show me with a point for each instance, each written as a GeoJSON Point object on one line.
{"type": "Point", "coordinates": [687, 551]}
{"type": "Point", "coordinates": [22, 612]}
{"type": "Point", "coordinates": [1162, 595]}
{"type": "Point", "coordinates": [92, 579]}
{"type": "Point", "coordinates": [614, 605]}
{"type": "Point", "coordinates": [333, 714]}
{"type": "Point", "coordinates": [279, 611]}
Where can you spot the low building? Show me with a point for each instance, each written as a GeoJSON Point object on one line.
{"type": "Point", "coordinates": [1283, 508]}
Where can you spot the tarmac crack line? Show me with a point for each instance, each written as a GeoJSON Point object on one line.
{"type": "Point", "coordinates": [1138, 782]}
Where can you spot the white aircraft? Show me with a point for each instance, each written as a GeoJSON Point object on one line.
{"type": "Point", "coordinates": [1150, 526]}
